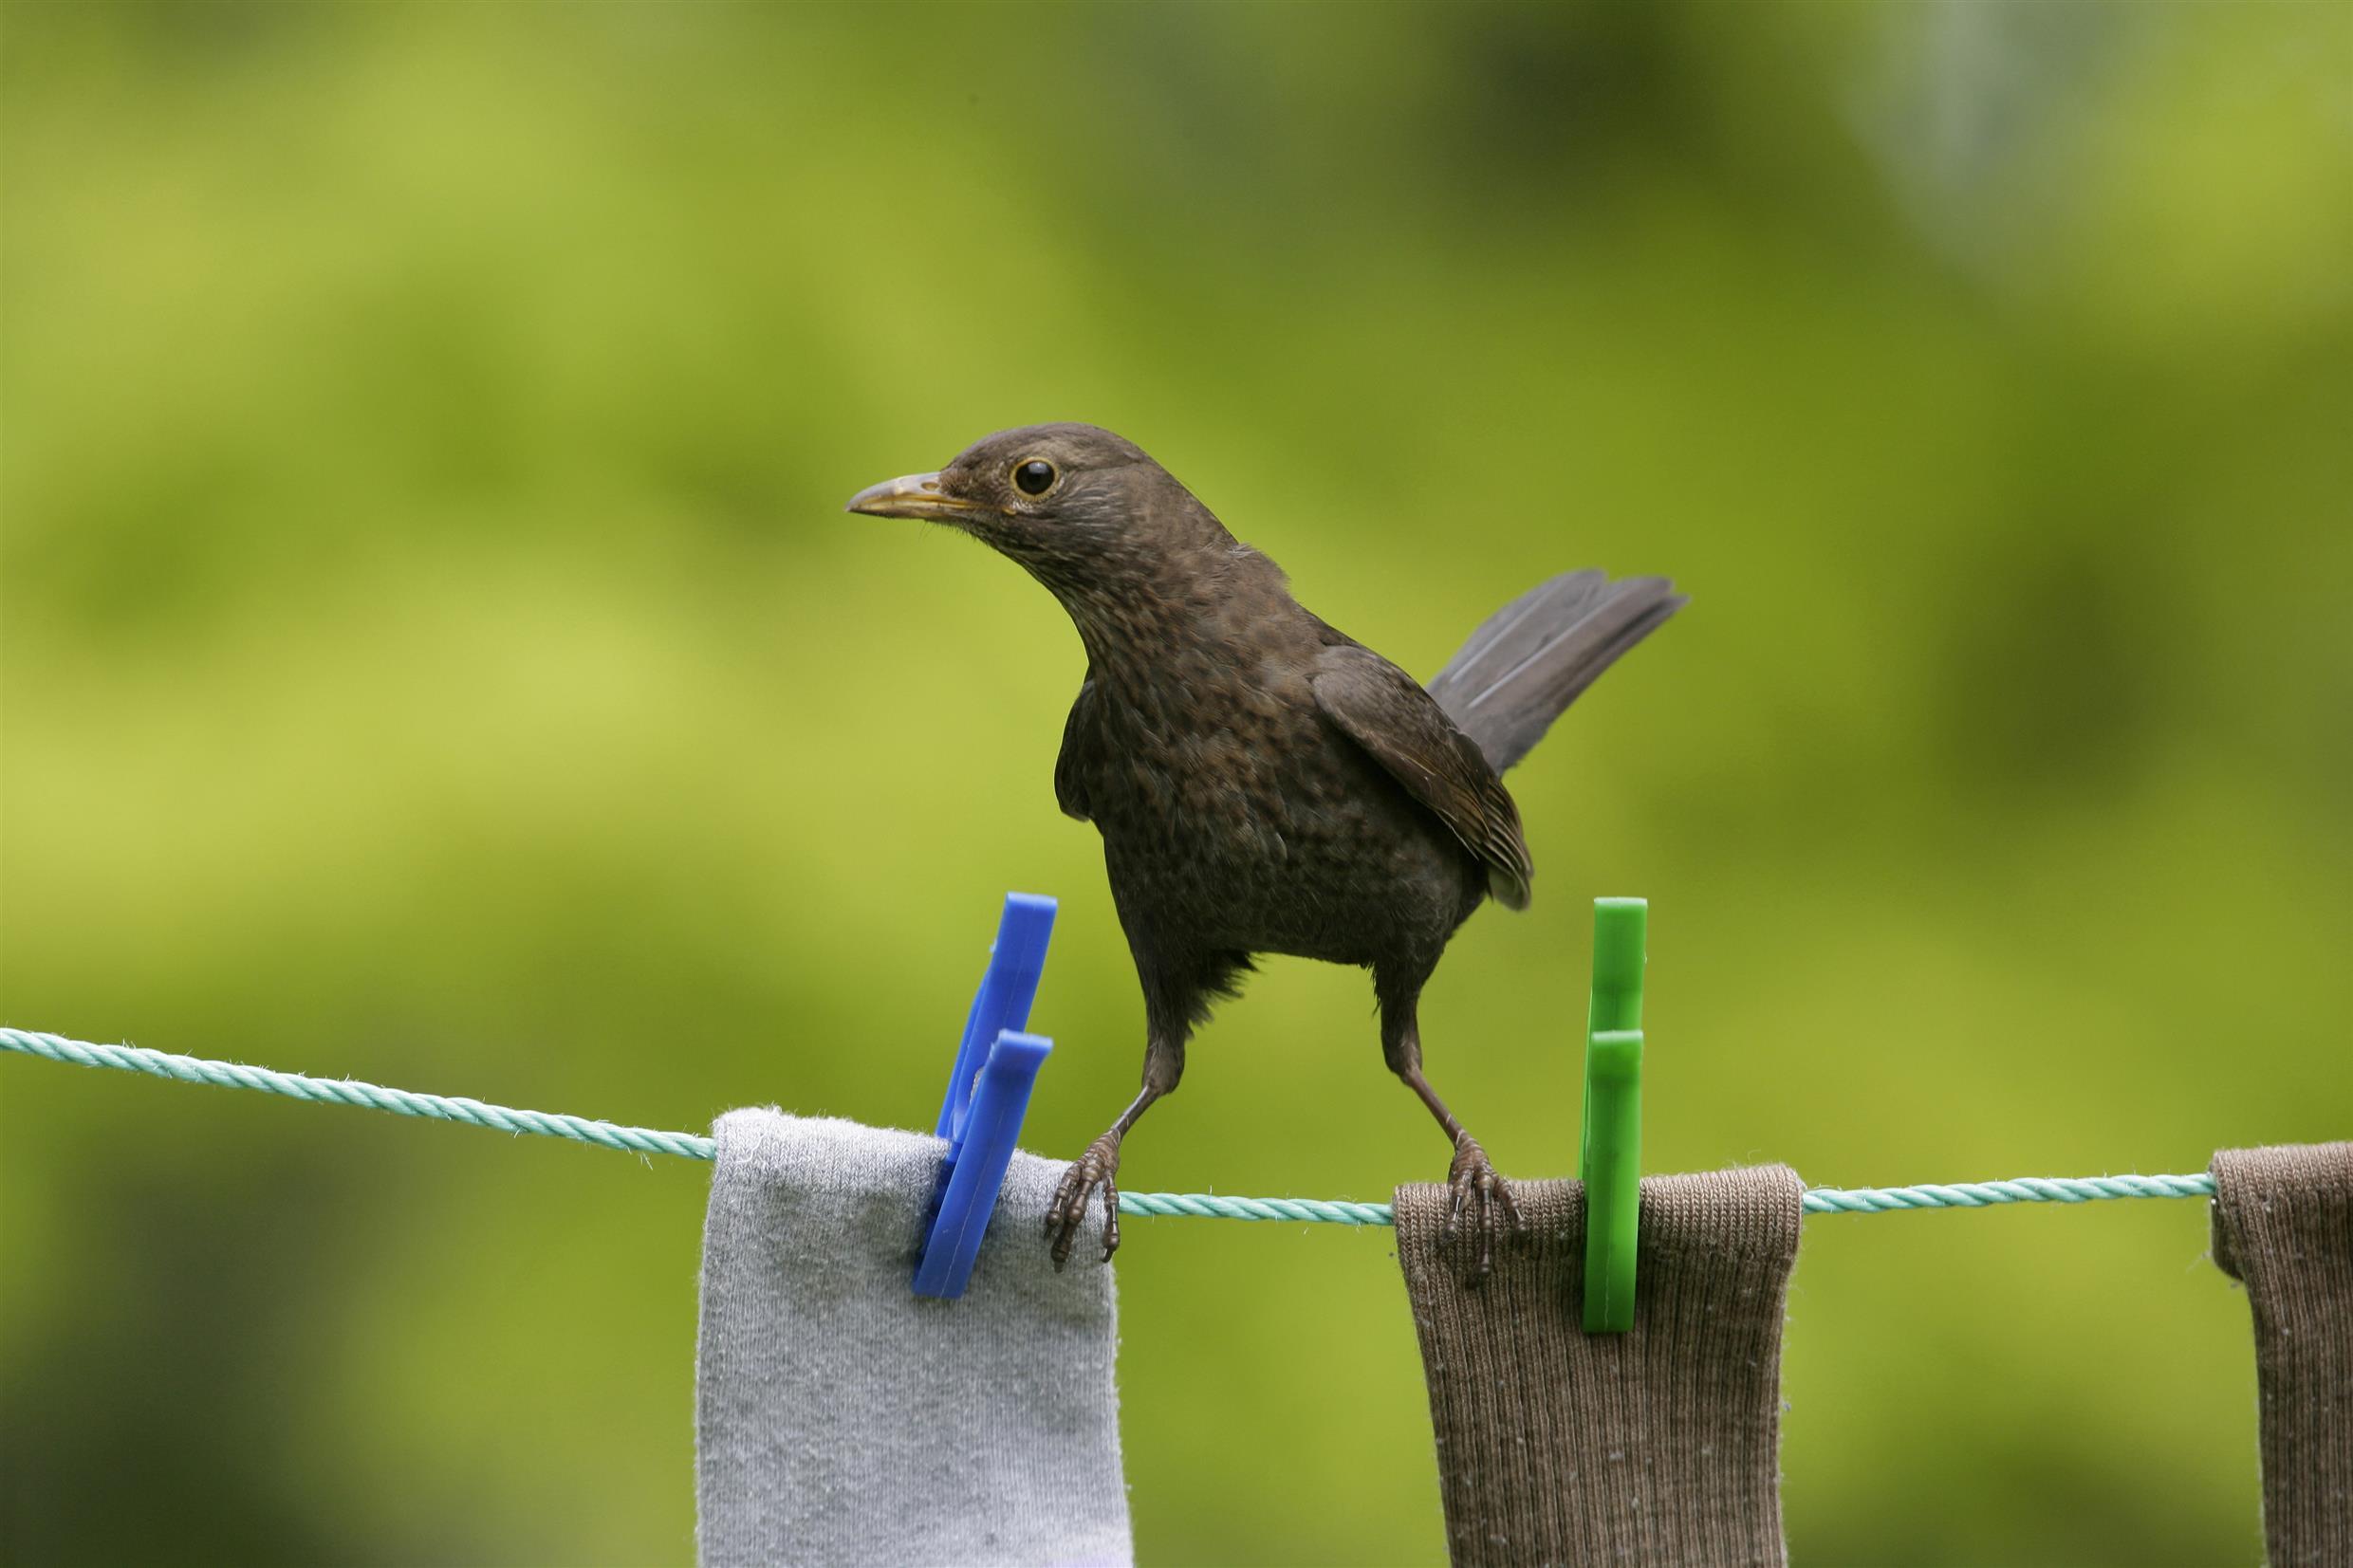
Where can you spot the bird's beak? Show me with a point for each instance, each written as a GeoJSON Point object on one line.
{"type": "Point", "coordinates": [915, 495]}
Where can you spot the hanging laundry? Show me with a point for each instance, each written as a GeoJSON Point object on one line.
{"type": "Point", "coordinates": [841, 1419]}
{"type": "Point", "coordinates": [1658, 1446]}
{"type": "Point", "coordinates": [2283, 1225]}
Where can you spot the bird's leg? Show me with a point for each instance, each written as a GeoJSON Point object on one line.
{"type": "Point", "coordinates": [1471, 1181]}
{"type": "Point", "coordinates": [1164, 1064]}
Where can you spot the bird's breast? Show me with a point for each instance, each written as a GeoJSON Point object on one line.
{"type": "Point", "coordinates": [1231, 809]}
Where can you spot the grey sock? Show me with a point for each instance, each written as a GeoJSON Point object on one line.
{"type": "Point", "coordinates": [840, 1418]}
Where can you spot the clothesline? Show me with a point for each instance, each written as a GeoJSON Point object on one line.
{"type": "Point", "coordinates": [646, 1141]}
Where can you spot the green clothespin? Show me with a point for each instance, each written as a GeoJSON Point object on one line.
{"type": "Point", "coordinates": [1610, 1158]}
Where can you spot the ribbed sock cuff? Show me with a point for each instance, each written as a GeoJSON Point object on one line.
{"type": "Point", "coordinates": [2283, 1223]}
{"type": "Point", "coordinates": [1658, 1446]}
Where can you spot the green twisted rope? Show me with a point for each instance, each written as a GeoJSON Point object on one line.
{"type": "Point", "coordinates": [647, 1140]}
{"type": "Point", "coordinates": [1983, 1195]}
{"type": "Point", "coordinates": [1207, 1206]}
{"type": "Point", "coordinates": [334, 1090]}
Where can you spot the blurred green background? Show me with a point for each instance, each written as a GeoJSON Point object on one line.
{"type": "Point", "coordinates": [436, 653]}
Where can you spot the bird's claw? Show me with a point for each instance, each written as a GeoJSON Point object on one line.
{"type": "Point", "coordinates": [1474, 1186]}
{"type": "Point", "coordinates": [1098, 1167]}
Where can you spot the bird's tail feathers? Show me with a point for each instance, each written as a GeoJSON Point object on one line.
{"type": "Point", "coordinates": [1529, 661]}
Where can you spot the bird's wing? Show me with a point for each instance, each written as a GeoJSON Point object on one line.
{"type": "Point", "coordinates": [1078, 739]}
{"type": "Point", "coordinates": [1380, 707]}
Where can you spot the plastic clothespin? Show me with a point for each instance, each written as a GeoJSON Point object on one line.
{"type": "Point", "coordinates": [1610, 1156]}
{"type": "Point", "coordinates": [996, 1064]}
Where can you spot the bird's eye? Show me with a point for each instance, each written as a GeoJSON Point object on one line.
{"type": "Point", "coordinates": [1034, 476]}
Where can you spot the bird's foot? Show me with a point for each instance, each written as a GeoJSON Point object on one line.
{"type": "Point", "coordinates": [1098, 1167]}
{"type": "Point", "coordinates": [1481, 1194]}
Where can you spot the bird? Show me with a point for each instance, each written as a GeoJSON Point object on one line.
{"type": "Point", "coordinates": [1263, 782]}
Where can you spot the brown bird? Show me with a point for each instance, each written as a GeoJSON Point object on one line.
{"type": "Point", "coordinates": [1263, 782]}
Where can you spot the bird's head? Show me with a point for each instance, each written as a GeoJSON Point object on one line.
{"type": "Point", "coordinates": [1071, 503]}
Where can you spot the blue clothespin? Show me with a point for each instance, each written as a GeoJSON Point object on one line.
{"type": "Point", "coordinates": [996, 1064]}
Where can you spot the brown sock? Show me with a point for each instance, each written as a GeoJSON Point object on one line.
{"type": "Point", "coordinates": [2283, 1224]}
{"type": "Point", "coordinates": [1658, 1446]}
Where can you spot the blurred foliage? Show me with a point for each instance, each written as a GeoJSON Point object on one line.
{"type": "Point", "coordinates": [435, 652]}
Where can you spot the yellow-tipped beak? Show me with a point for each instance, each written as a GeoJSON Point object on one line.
{"type": "Point", "coordinates": [914, 495]}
